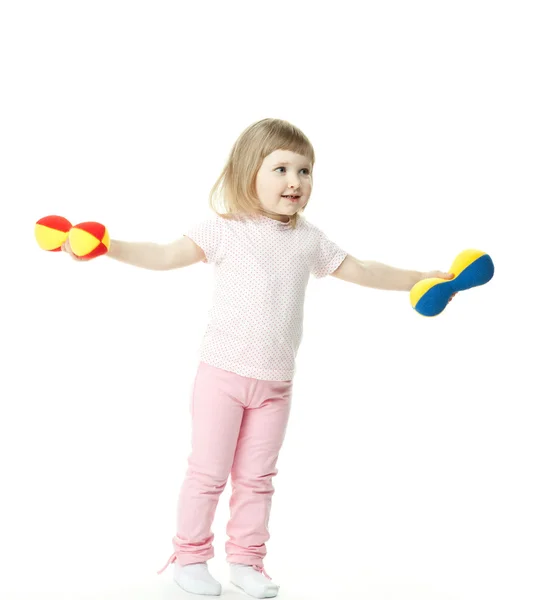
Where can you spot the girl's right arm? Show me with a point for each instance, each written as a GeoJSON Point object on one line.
{"type": "Point", "coordinates": [156, 257]}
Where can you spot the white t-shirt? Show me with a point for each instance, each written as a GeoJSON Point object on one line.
{"type": "Point", "coordinates": [262, 268]}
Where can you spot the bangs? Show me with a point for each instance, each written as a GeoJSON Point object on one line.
{"type": "Point", "coordinates": [282, 135]}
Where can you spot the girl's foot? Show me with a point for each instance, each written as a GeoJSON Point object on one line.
{"type": "Point", "coordinates": [252, 581]}
{"type": "Point", "coordinates": [196, 579]}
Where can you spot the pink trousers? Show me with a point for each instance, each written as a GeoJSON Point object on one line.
{"type": "Point", "coordinates": [238, 427]}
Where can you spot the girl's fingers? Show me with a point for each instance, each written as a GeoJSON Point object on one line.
{"type": "Point", "coordinates": [66, 247]}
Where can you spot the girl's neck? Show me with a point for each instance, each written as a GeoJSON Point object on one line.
{"type": "Point", "coordinates": [274, 216]}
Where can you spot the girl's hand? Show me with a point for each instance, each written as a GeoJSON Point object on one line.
{"type": "Point", "coordinates": [66, 248]}
{"type": "Point", "coordinates": [440, 275]}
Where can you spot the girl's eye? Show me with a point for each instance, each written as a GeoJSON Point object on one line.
{"type": "Point", "coordinates": [304, 169]}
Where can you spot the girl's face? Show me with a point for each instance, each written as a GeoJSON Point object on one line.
{"type": "Point", "coordinates": [284, 173]}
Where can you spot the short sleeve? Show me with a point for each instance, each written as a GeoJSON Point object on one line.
{"type": "Point", "coordinates": [208, 235]}
{"type": "Point", "coordinates": [328, 256]}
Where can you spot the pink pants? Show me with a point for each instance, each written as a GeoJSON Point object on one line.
{"type": "Point", "coordinates": [238, 427]}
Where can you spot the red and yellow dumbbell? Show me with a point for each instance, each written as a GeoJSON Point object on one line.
{"type": "Point", "coordinates": [87, 240]}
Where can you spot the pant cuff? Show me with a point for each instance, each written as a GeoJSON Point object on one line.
{"type": "Point", "coordinates": [253, 561]}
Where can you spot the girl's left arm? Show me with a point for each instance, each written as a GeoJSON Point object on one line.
{"type": "Point", "coordinates": [383, 277]}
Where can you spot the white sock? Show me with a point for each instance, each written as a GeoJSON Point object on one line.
{"type": "Point", "coordinates": [252, 582]}
{"type": "Point", "coordinates": [196, 579]}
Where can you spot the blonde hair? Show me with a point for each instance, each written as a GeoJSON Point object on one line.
{"type": "Point", "coordinates": [234, 191]}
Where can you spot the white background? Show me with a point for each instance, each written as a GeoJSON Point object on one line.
{"type": "Point", "coordinates": [406, 471]}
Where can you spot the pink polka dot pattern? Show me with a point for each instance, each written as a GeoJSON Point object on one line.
{"type": "Point", "coordinates": [262, 268]}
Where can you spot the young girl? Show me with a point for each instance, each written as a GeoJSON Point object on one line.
{"type": "Point", "coordinates": [263, 251]}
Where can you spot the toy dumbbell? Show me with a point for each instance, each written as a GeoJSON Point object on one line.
{"type": "Point", "coordinates": [87, 240]}
{"type": "Point", "coordinates": [471, 268]}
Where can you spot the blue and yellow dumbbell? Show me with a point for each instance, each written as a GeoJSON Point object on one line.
{"type": "Point", "coordinates": [470, 268]}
